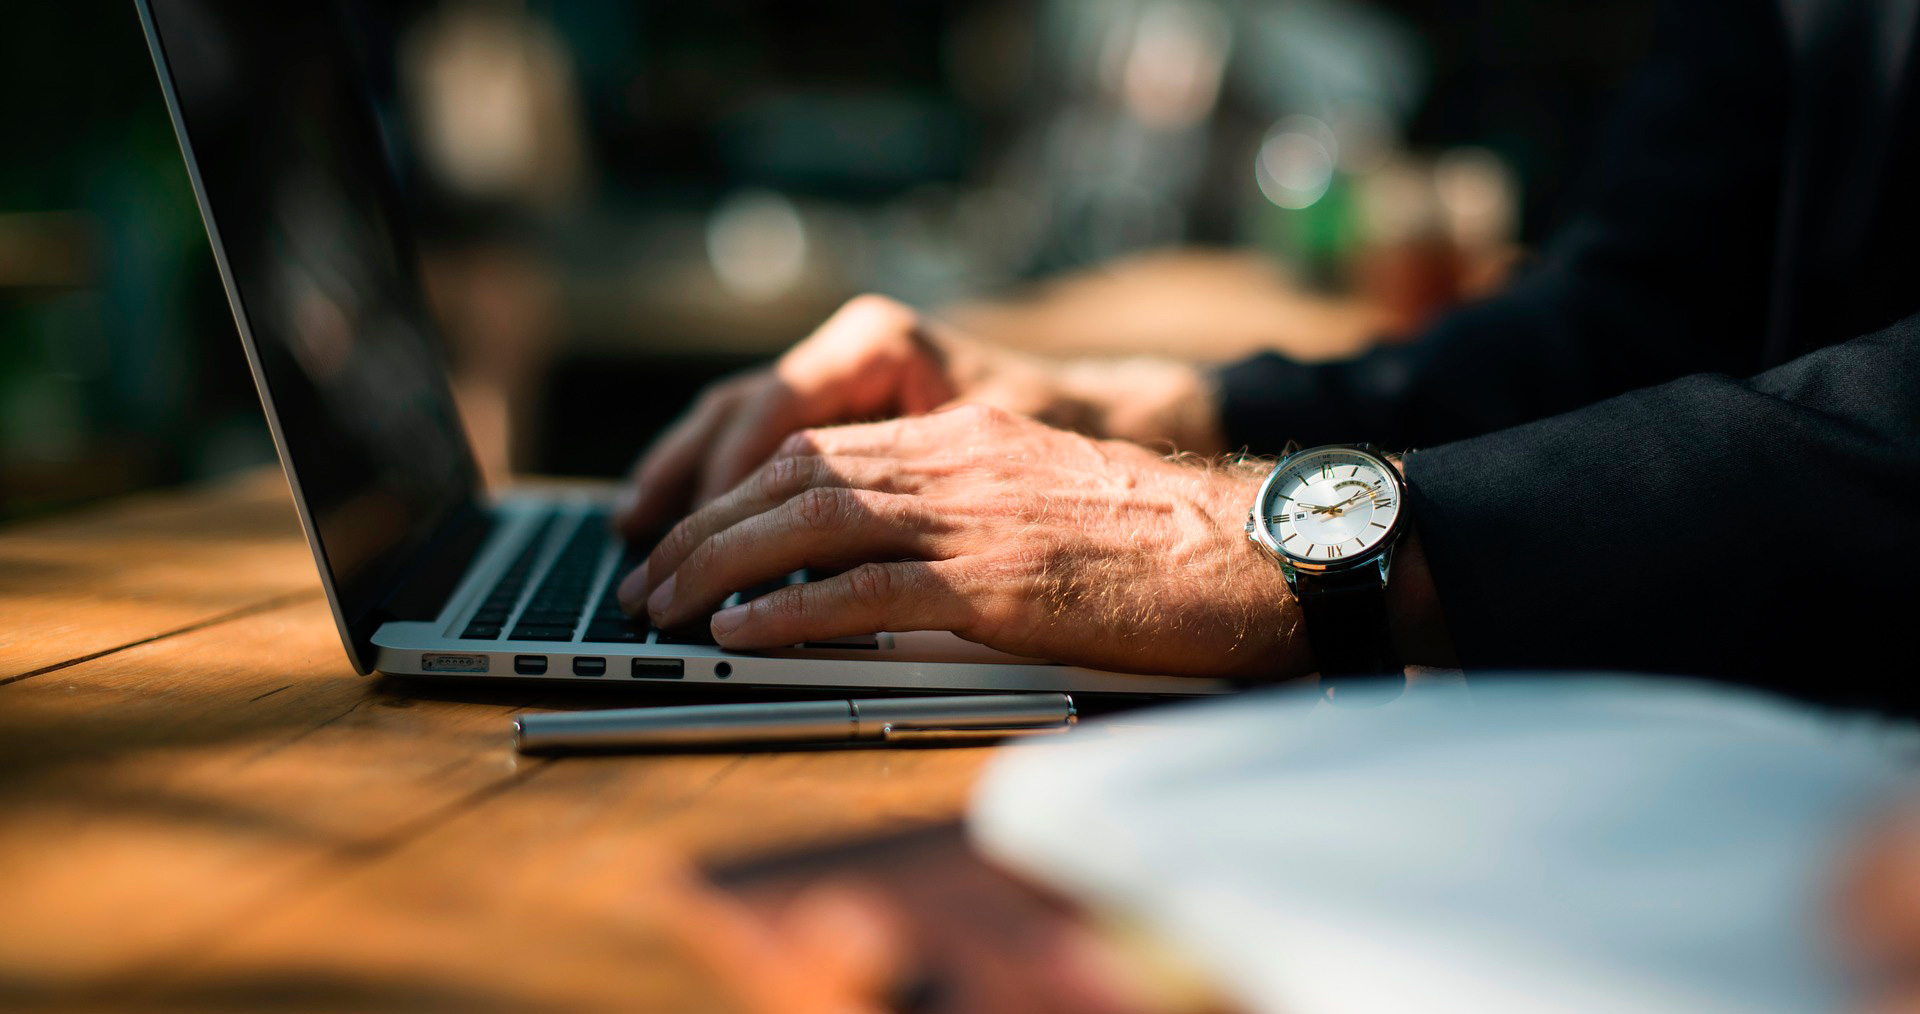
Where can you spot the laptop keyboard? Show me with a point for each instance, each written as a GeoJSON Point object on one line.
{"type": "Point", "coordinates": [554, 610]}
{"type": "Point", "coordinates": [608, 625]}
{"type": "Point", "coordinates": [561, 600]}
{"type": "Point", "coordinates": [494, 610]}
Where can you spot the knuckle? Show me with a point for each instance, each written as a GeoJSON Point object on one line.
{"type": "Point", "coordinates": [880, 310]}
{"type": "Point", "coordinates": [823, 508]}
{"type": "Point", "coordinates": [786, 476]}
{"type": "Point", "coordinates": [904, 513]}
{"type": "Point", "coordinates": [699, 559]}
{"type": "Point", "coordinates": [674, 545]}
{"type": "Point", "coordinates": [799, 444]}
{"type": "Point", "coordinates": [979, 414]}
{"type": "Point", "coordinates": [788, 606]}
{"type": "Point", "coordinates": [871, 582]}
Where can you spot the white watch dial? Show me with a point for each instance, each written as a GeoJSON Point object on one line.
{"type": "Point", "coordinates": [1331, 505]}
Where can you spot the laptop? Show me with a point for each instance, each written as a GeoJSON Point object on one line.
{"type": "Point", "coordinates": [427, 575]}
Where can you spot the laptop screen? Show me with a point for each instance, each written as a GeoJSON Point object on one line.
{"type": "Point", "coordinates": [294, 186]}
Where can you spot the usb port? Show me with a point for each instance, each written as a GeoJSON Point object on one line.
{"type": "Point", "coordinates": [658, 669]}
{"type": "Point", "coordinates": [589, 667]}
{"type": "Point", "coordinates": [530, 665]}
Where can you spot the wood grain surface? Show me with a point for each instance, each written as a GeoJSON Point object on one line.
{"type": "Point", "coordinates": [203, 808]}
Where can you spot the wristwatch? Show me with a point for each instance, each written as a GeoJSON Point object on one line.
{"type": "Point", "coordinates": [1331, 516]}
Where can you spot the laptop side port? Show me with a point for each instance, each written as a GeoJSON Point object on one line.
{"type": "Point", "coordinates": [658, 669]}
{"type": "Point", "coordinates": [588, 666]}
{"type": "Point", "coordinates": [530, 665]}
{"type": "Point", "coordinates": [450, 662]}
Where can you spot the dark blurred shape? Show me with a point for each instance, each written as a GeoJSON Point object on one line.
{"type": "Point", "coordinates": [117, 361]}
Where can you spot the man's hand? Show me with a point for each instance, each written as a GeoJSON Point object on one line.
{"type": "Point", "coordinates": [1001, 529]}
{"type": "Point", "coordinates": [877, 359]}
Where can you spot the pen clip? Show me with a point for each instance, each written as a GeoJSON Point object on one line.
{"type": "Point", "coordinates": [895, 734]}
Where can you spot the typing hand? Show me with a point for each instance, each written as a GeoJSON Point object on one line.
{"type": "Point", "coordinates": [1003, 530]}
{"type": "Point", "coordinates": [878, 359]}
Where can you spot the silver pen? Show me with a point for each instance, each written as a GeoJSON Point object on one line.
{"type": "Point", "coordinates": [987, 716]}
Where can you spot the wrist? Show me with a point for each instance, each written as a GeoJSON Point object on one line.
{"type": "Point", "coordinates": [1356, 570]}
{"type": "Point", "coordinates": [1272, 646]}
{"type": "Point", "coordinates": [1146, 400]}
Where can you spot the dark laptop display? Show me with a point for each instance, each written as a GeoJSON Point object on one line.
{"type": "Point", "coordinates": [312, 247]}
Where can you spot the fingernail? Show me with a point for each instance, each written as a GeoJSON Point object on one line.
{"type": "Point", "coordinates": [728, 620]}
{"type": "Point", "coordinates": [662, 597]}
{"type": "Point", "coordinates": [631, 588]}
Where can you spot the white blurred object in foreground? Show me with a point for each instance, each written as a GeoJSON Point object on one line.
{"type": "Point", "coordinates": [1564, 844]}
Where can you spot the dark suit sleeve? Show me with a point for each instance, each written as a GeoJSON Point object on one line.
{"type": "Point", "coordinates": [1662, 274]}
{"type": "Point", "coordinates": [1765, 529]}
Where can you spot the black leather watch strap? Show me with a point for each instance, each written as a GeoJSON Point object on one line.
{"type": "Point", "coordinates": [1346, 616]}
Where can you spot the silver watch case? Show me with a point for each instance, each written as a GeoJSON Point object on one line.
{"type": "Point", "coordinates": [1378, 557]}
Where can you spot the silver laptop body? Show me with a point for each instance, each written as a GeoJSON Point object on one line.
{"type": "Point", "coordinates": [427, 575]}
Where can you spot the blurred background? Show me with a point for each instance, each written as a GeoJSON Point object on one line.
{"type": "Point", "coordinates": [619, 200]}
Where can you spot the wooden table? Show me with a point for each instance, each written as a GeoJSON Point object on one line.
{"type": "Point", "coordinates": [202, 807]}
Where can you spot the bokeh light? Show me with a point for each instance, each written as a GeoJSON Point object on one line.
{"type": "Point", "coordinates": [1295, 165]}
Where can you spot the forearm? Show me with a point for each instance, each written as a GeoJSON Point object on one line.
{"type": "Point", "coordinates": [1762, 529]}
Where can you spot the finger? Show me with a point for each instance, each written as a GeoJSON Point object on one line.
{"type": "Point", "coordinates": [916, 436]}
{"type": "Point", "coordinates": [666, 473]}
{"type": "Point", "coordinates": [860, 362]}
{"type": "Point", "coordinates": [910, 595]}
{"type": "Point", "coordinates": [749, 438]}
{"type": "Point", "coordinates": [857, 360]}
{"type": "Point", "coordinates": [775, 483]}
{"type": "Point", "coordinates": [823, 527]}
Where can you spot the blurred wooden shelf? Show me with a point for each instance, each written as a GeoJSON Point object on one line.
{"type": "Point", "coordinates": [203, 808]}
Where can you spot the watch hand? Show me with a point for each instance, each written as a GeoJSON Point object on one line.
{"type": "Point", "coordinates": [1336, 508]}
{"type": "Point", "coordinates": [1340, 508]}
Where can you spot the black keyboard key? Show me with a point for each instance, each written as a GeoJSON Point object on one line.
{"type": "Point", "coordinates": [562, 593]}
{"type": "Point", "coordinates": [604, 632]}
{"type": "Point", "coordinates": [758, 590]}
{"type": "Point", "coordinates": [543, 633]}
{"type": "Point", "coordinates": [701, 634]}
{"type": "Point", "coordinates": [868, 642]}
{"type": "Point", "coordinates": [549, 617]}
{"type": "Point", "coordinates": [481, 631]}
{"type": "Point", "coordinates": [505, 594]}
